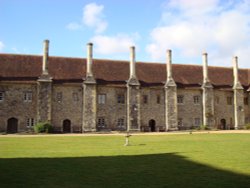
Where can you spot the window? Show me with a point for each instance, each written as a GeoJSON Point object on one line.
{"type": "Point", "coordinates": [59, 96]}
{"type": "Point", "coordinates": [180, 99]}
{"type": "Point", "coordinates": [1, 96]}
{"type": "Point", "coordinates": [75, 96]}
{"type": "Point", "coordinates": [246, 100]}
{"type": "Point", "coordinates": [27, 96]}
{"type": "Point", "coordinates": [229, 100]}
{"type": "Point", "coordinates": [101, 98]}
{"type": "Point", "coordinates": [30, 122]}
{"type": "Point", "coordinates": [145, 99]}
{"type": "Point", "coordinates": [101, 122]}
{"type": "Point", "coordinates": [158, 99]}
{"type": "Point", "coordinates": [180, 122]}
{"type": "Point", "coordinates": [217, 100]}
{"type": "Point", "coordinates": [120, 123]}
{"type": "Point", "coordinates": [121, 99]}
{"type": "Point", "coordinates": [197, 122]}
{"type": "Point", "coordinates": [196, 99]}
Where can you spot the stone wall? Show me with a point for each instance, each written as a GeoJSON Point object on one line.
{"type": "Point", "coordinates": [152, 110]}
{"type": "Point", "coordinates": [189, 111]}
{"type": "Point", "coordinates": [14, 105]}
{"type": "Point", "coordinates": [68, 107]}
{"type": "Point", "coordinates": [111, 111]}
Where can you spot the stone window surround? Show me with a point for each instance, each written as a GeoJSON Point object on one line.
{"type": "Point", "coordinates": [180, 99]}
{"type": "Point", "coordinates": [229, 100]}
{"type": "Point", "coordinates": [145, 99]}
{"type": "Point", "coordinates": [101, 122]}
{"type": "Point", "coordinates": [121, 98]}
{"type": "Point", "coordinates": [27, 96]}
{"type": "Point", "coordinates": [30, 122]}
{"type": "Point", "coordinates": [197, 99]}
{"type": "Point", "coordinates": [1, 96]}
{"type": "Point", "coordinates": [197, 121]}
{"type": "Point", "coordinates": [121, 123]}
{"type": "Point", "coordinates": [180, 122]}
{"type": "Point", "coordinates": [75, 96]}
{"type": "Point", "coordinates": [101, 98]}
{"type": "Point", "coordinates": [59, 96]}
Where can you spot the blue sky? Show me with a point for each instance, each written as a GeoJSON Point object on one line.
{"type": "Point", "coordinates": [188, 27]}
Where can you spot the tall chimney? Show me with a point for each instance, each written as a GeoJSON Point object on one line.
{"type": "Point", "coordinates": [89, 59]}
{"type": "Point", "coordinates": [45, 56]}
{"type": "Point", "coordinates": [205, 70]}
{"type": "Point", "coordinates": [235, 70]}
{"type": "Point", "coordinates": [132, 62]}
{"type": "Point", "coordinates": [169, 64]}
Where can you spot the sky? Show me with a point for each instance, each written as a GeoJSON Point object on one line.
{"type": "Point", "coordinates": [187, 27]}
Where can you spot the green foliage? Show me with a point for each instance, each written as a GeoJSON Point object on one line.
{"type": "Point", "coordinates": [247, 126]}
{"type": "Point", "coordinates": [203, 127]}
{"type": "Point", "coordinates": [43, 127]}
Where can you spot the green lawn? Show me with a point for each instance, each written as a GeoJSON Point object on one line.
{"type": "Point", "coordinates": [195, 160]}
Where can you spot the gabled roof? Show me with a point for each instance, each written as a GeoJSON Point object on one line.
{"type": "Point", "coordinates": [29, 67]}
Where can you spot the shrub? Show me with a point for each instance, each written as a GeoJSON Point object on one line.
{"type": "Point", "coordinates": [247, 126]}
{"type": "Point", "coordinates": [43, 127]}
{"type": "Point", "coordinates": [203, 127]}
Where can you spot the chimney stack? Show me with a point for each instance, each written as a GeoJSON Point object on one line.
{"type": "Point", "coordinates": [132, 62]}
{"type": "Point", "coordinates": [205, 68]}
{"type": "Point", "coordinates": [45, 56]}
{"type": "Point", "coordinates": [89, 59]}
{"type": "Point", "coordinates": [169, 65]}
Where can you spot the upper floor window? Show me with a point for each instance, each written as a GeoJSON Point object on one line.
{"type": "Point", "coordinates": [121, 99]}
{"type": "Point", "coordinates": [59, 96]}
{"type": "Point", "coordinates": [27, 96]}
{"type": "Point", "coordinates": [158, 99]}
{"type": "Point", "coordinates": [246, 100]}
{"type": "Point", "coordinates": [1, 96]}
{"type": "Point", "coordinates": [75, 96]}
{"type": "Point", "coordinates": [217, 100]}
{"type": "Point", "coordinates": [30, 122]}
{"type": "Point", "coordinates": [101, 98]}
{"type": "Point", "coordinates": [145, 99]}
{"type": "Point", "coordinates": [196, 99]}
{"type": "Point", "coordinates": [180, 99]}
{"type": "Point", "coordinates": [229, 100]}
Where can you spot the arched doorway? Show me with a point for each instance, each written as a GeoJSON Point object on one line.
{"type": "Point", "coordinates": [151, 125]}
{"type": "Point", "coordinates": [66, 126]}
{"type": "Point", "coordinates": [12, 125]}
{"type": "Point", "coordinates": [223, 124]}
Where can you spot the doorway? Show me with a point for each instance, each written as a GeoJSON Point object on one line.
{"type": "Point", "coordinates": [66, 126]}
{"type": "Point", "coordinates": [223, 124]}
{"type": "Point", "coordinates": [151, 125]}
{"type": "Point", "coordinates": [12, 125]}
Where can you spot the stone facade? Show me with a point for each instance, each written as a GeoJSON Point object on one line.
{"type": "Point", "coordinates": [90, 103]}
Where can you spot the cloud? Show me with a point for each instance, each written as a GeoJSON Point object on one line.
{"type": "Point", "coordinates": [114, 45]}
{"type": "Point", "coordinates": [74, 26]}
{"type": "Point", "coordinates": [191, 27]}
{"type": "Point", "coordinates": [1, 46]}
{"type": "Point", "coordinates": [93, 17]}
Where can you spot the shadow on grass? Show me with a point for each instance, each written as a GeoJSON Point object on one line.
{"type": "Point", "coordinates": [158, 170]}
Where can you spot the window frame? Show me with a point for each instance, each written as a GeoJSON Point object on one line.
{"type": "Point", "coordinates": [27, 96]}
{"type": "Point", "coordinates": [180, 99]}
{"type": "Point", "coordinates": [30, 122]}
{"type": "Point", "coordinates": [120, 98]}
{"type": "Point", "coordinates": [197, 99]}
{"type": "Point", "coordinates": [145, 99]}
{"type": "Point", "coordinates": [101, 98]}
{"type": "Point", "coordinates": [2, 95]}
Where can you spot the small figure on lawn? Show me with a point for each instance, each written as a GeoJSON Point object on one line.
{"type": "Point", "coordinates": [127, 139]}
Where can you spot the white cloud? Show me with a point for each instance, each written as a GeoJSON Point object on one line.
{"type": "Point", "coordinates": [74, 26]}
{"type": "Point", "coordinates": [191, 27]}
{"type": "Point", "coordinates": [93, 17]}
{"type": "Point", "coordinates": [113, 45]}
{"type": "Point", "coordinates": [1, 46]}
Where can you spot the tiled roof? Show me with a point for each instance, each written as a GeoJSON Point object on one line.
{"type": "Point", "coordinates": [21, 67]}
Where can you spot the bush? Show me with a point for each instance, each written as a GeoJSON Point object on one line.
{"type": "Point", "coordinates": [43, 127]}
{"type": "Point", "coordinates": [203, 127]}
{"type": "Point", "coordinates": [247, 126]}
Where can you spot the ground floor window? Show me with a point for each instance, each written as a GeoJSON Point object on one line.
{"type": "Point", "coordinates": [197, 121]}
{"type": "Point", "coordinates": [180, 122]}
{"type": "Point", "coordinates": [121, 123]}
{"type": "Point", "coordinates": [101, 122]}
{"type": "Point", "coordinates": [30, 122]}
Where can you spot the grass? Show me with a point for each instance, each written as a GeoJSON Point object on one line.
{"type": "Point", "coordinates": [196, 160]}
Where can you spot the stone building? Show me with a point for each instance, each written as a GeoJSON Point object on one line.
{"type": "Point", "coordinates": [83, 95]}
